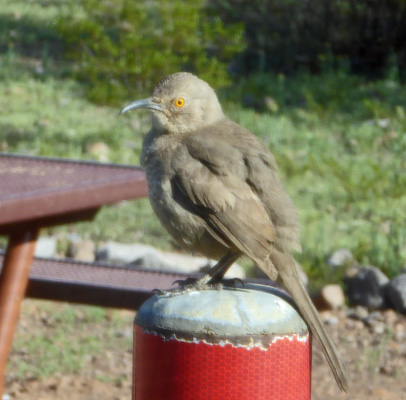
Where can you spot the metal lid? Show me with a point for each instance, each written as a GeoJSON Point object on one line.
{"type": "Point", "coordinates": [255, 310]}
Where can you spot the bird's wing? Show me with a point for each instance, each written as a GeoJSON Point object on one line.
{"type": "Point", "coordinates": [227, 148]}
{"type": "Point", "coordinates": [214, 187]}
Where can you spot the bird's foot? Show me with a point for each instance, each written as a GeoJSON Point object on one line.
{"type": "Point", "coordinates": [206, 282]}
{"type": "Point", "coordinates": [190, 284]}
{"type": "Point", "coordinates": [184, 285]}
{"type": "Point", "coordinates": [159, 292]}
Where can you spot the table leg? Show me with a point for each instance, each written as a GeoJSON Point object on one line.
{"type": "Point", "coordinates": [13, 282]}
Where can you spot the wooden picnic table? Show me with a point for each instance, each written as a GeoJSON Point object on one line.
{"type": "Point", "coordinates": [41, 192]}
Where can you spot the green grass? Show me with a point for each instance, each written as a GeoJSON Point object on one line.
{"type": "Point", "coordinates": [339, 141]}
{"type": "Point", "coordinates": [45, 352]}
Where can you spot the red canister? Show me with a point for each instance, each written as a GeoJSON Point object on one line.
{"type": "Point", "coordinates": [245, 344]}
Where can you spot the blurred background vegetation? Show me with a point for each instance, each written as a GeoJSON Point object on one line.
{"type": "Point", "coordinates": [321, 82]}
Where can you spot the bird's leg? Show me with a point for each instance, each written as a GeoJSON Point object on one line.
{"type": "Point", "coordinates": [217, 272]}
{"type": "Point", "coordinates": [213, 276]}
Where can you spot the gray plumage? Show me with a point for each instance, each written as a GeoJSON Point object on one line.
{"type": "Point", "coordinates": [214, 186]}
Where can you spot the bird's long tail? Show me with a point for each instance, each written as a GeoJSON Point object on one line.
{"type": "Point", "coordinates": [288, 274]}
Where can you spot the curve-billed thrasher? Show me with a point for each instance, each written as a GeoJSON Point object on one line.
{"type": "Point", "coordinates": [215, 188]}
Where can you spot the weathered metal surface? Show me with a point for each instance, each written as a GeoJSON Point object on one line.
{"type": "Point", "coordinates": [253, 315]}
{"type": "Point", "coordinates": [244, 344]}
{"type": "Point", "coordinates": [37, 192]}
{"type": "Point", "coordinates": [40, 187]}
{"type": "Point", "coordinates": [95, 283]}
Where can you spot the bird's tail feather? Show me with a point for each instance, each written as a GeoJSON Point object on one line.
{"type": "Point", "coordinates": [289, 276]}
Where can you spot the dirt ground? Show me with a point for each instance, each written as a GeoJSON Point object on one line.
{"type": "Point", "coordinates": [373, 346]}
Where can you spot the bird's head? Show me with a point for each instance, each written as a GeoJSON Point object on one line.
{"type": "Point", "coordinates": [181, 103]}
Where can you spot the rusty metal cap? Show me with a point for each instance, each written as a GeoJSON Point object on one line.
{"type": "Point", "coordinates": [253, 311]}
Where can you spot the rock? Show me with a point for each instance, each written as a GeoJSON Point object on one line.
{"type": "Point", "coordinates": [390, 317]}
{"type": "Point", "coordinates": [400, 333]}
{"type": "Point", "coordinates": [376, 316]}
{"type": "Point", "coordinates": [99, 151]}
{"type": "Point", "coordinates": [45, 247]}
{"type": "Point", "coordinates": [378, 328]}
{"type": "Point", "coordinates": [184, 263]}
{"type": "Point", "coordinates": [367, 287]}
{"type": "Point", "coordinates": [328, 318]}
{"type": "Point", "coordinates": [188, 264]}
{"type": "Point", "coordinates": [143, 256]}
{"type": "Point", "coordinates": [358, 313]}
{"type": "Point", "coordinates": [383, 122]}
{"type": "Point", "coordinates": [124, 253]}
{"type": "Point", "coordinates": [330, 297]}
{"type": "Point", "coordinates": [354, 325]}
{"type": "Point", "coordinates": [236, 271]}
{"type": "Point", "coordinates": [340, 259]}
{"type": "Point", "coordinates": [82, 250]}
{"type": "Point", "coordinates": [396, 292]}
{"type": "Point", "coordinates": [271, 104]}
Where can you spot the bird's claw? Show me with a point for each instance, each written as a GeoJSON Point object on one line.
{"type": "Point", "coordinates": [204, 283]}
{"type": "Point", "coordinates": [207, 281]}
{"type": "Point", "coordinates": [157, 291]}
{"type": "Point", "coordinates": [185, 283]}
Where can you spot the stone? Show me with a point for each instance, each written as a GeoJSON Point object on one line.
{"type": "Point", "coordinates": [271, 104]}
{"type": "Point", "coordinates": [45, 247]}
{"type": "Point", "coordinates": [396, 292]}
{"type": "Point", "coordinates": [358, 313]}
{"type": "Point", "coordinates": [379, 328]}
{"type": "Point", "coordinates": [340, 259]}
{"type": "Point", "coordinates": [367, 287]}
{"type": "Point", "coordinates": [399, 336]}
{"type": "Point", "coordinates": [383, 122]}
{"type": "Point", "coordinates": [124, 253]}
{"type": "Point", "coordinates": [376, 316]}
{"type": "Point", "coordinates": [328, 318]}
{"type": "Point", "coordinates": [390, 317]}
{"type": "Point", "coordinates": [144, 256]}
{"type": "Point", "coordinates": [330, 297]}
{"type": "Point", "coordinates": [358, 325]}
{"type": "Point", "coordinates": [99, 151]}
{"type": "Point", "coordinates": [82, 250]}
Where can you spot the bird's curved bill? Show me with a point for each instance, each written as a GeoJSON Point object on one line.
{"type": "Point", "coordinates": [144, 103]}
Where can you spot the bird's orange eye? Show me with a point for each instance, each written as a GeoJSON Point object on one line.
{"type": "Point", "coordinates": [179, 102]}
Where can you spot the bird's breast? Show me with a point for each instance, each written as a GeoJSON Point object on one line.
{"type": "Point", "coordinates": [185, 227]}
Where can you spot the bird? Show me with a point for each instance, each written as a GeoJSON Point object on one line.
{"type": "Point", "coordinates": [215, 188]}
